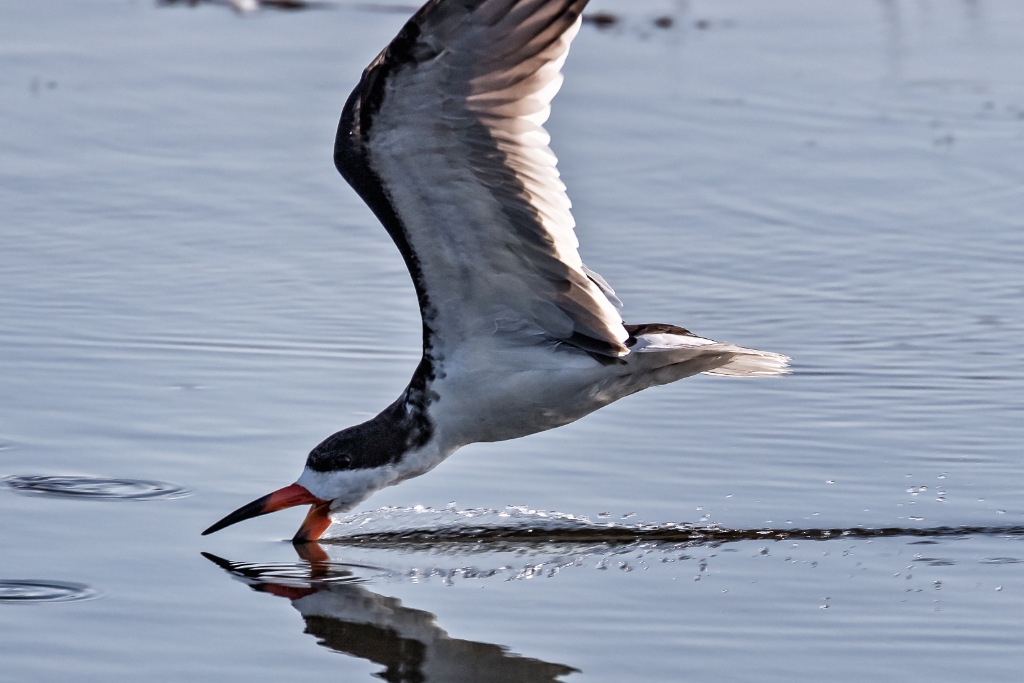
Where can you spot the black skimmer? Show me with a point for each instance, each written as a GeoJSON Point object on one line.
{"type": "Point", "coordinates": [443, 138]}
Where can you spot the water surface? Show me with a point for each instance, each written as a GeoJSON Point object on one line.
{"type": "Point", "coordinates": [191, 297]}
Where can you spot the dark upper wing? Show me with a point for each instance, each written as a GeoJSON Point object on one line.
{"type": "Point", "coordinates": [444, 140]}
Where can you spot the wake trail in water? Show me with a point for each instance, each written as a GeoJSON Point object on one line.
{"type": "Point", "coordinates": [484, 529]}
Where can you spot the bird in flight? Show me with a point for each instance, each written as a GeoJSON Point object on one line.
{"type": "Point", "coordinates": [443, 139]}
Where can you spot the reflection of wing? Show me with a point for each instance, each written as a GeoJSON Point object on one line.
{"type": "Point", "coordinates": [443, 138]}
{"type": "Point", "coordinates": [351, 619]}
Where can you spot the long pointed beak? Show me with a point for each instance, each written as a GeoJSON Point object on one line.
{"type": "Point", "coordinates": [289, 496]}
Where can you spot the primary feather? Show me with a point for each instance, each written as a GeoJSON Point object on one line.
{"type": "Point", "coordinates": [449, 120]}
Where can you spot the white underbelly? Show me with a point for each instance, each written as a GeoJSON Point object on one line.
{"type": "Point", "coordinates": [494, 392]}
{"type": "Point", "coordinates": [502, 401]}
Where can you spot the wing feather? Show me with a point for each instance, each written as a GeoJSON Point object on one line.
{"type": "Point", "coordinates": [444, 139]}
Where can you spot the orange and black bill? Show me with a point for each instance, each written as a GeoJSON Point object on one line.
{"type": "Point", "coordinates": [315, 524]}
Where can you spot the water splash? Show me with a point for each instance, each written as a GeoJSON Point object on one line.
{"type": "Point", "coordinates": [451, 520]}
{"type": "Point", "coordinates": [94, 487]}
{"type": "Point", "coordinates": [518, 527]}
{"type": "Point", "coordinates": [422, 544]}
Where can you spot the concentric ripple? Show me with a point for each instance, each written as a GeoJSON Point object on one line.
{"type": "Point", "coordinates": [298, 574]}
{"type": "Point", "coordinates": [94, 487]}
{"type": "Point", "coordinates": [30, 590]}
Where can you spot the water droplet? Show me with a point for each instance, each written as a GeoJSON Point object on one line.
{"type": "Point", "coordinates": [44, 591]}
{"type": "Point", "coordinates": [94, 487]}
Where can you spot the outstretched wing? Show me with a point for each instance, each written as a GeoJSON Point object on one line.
{"type": "Point", "coordinates": [444, 140]}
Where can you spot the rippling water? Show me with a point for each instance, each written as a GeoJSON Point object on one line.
{"type": "Point", "coordinates": [94, 487]}
{"type": "Point", "coordinates": [191, 298]}
{"type": "Point", "coordinates": [34, 590]}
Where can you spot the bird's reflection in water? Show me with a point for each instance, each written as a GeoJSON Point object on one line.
{"type": "Point", "coordinates": [349, 618]}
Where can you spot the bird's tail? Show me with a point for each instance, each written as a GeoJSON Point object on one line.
{"type": "Point", "coordinates": [707, 356]}
{"type": "Point", "coordinates": [750, 363]}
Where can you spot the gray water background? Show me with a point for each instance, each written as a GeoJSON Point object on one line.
{"type": "Point", "coordinates": [189, 293]}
